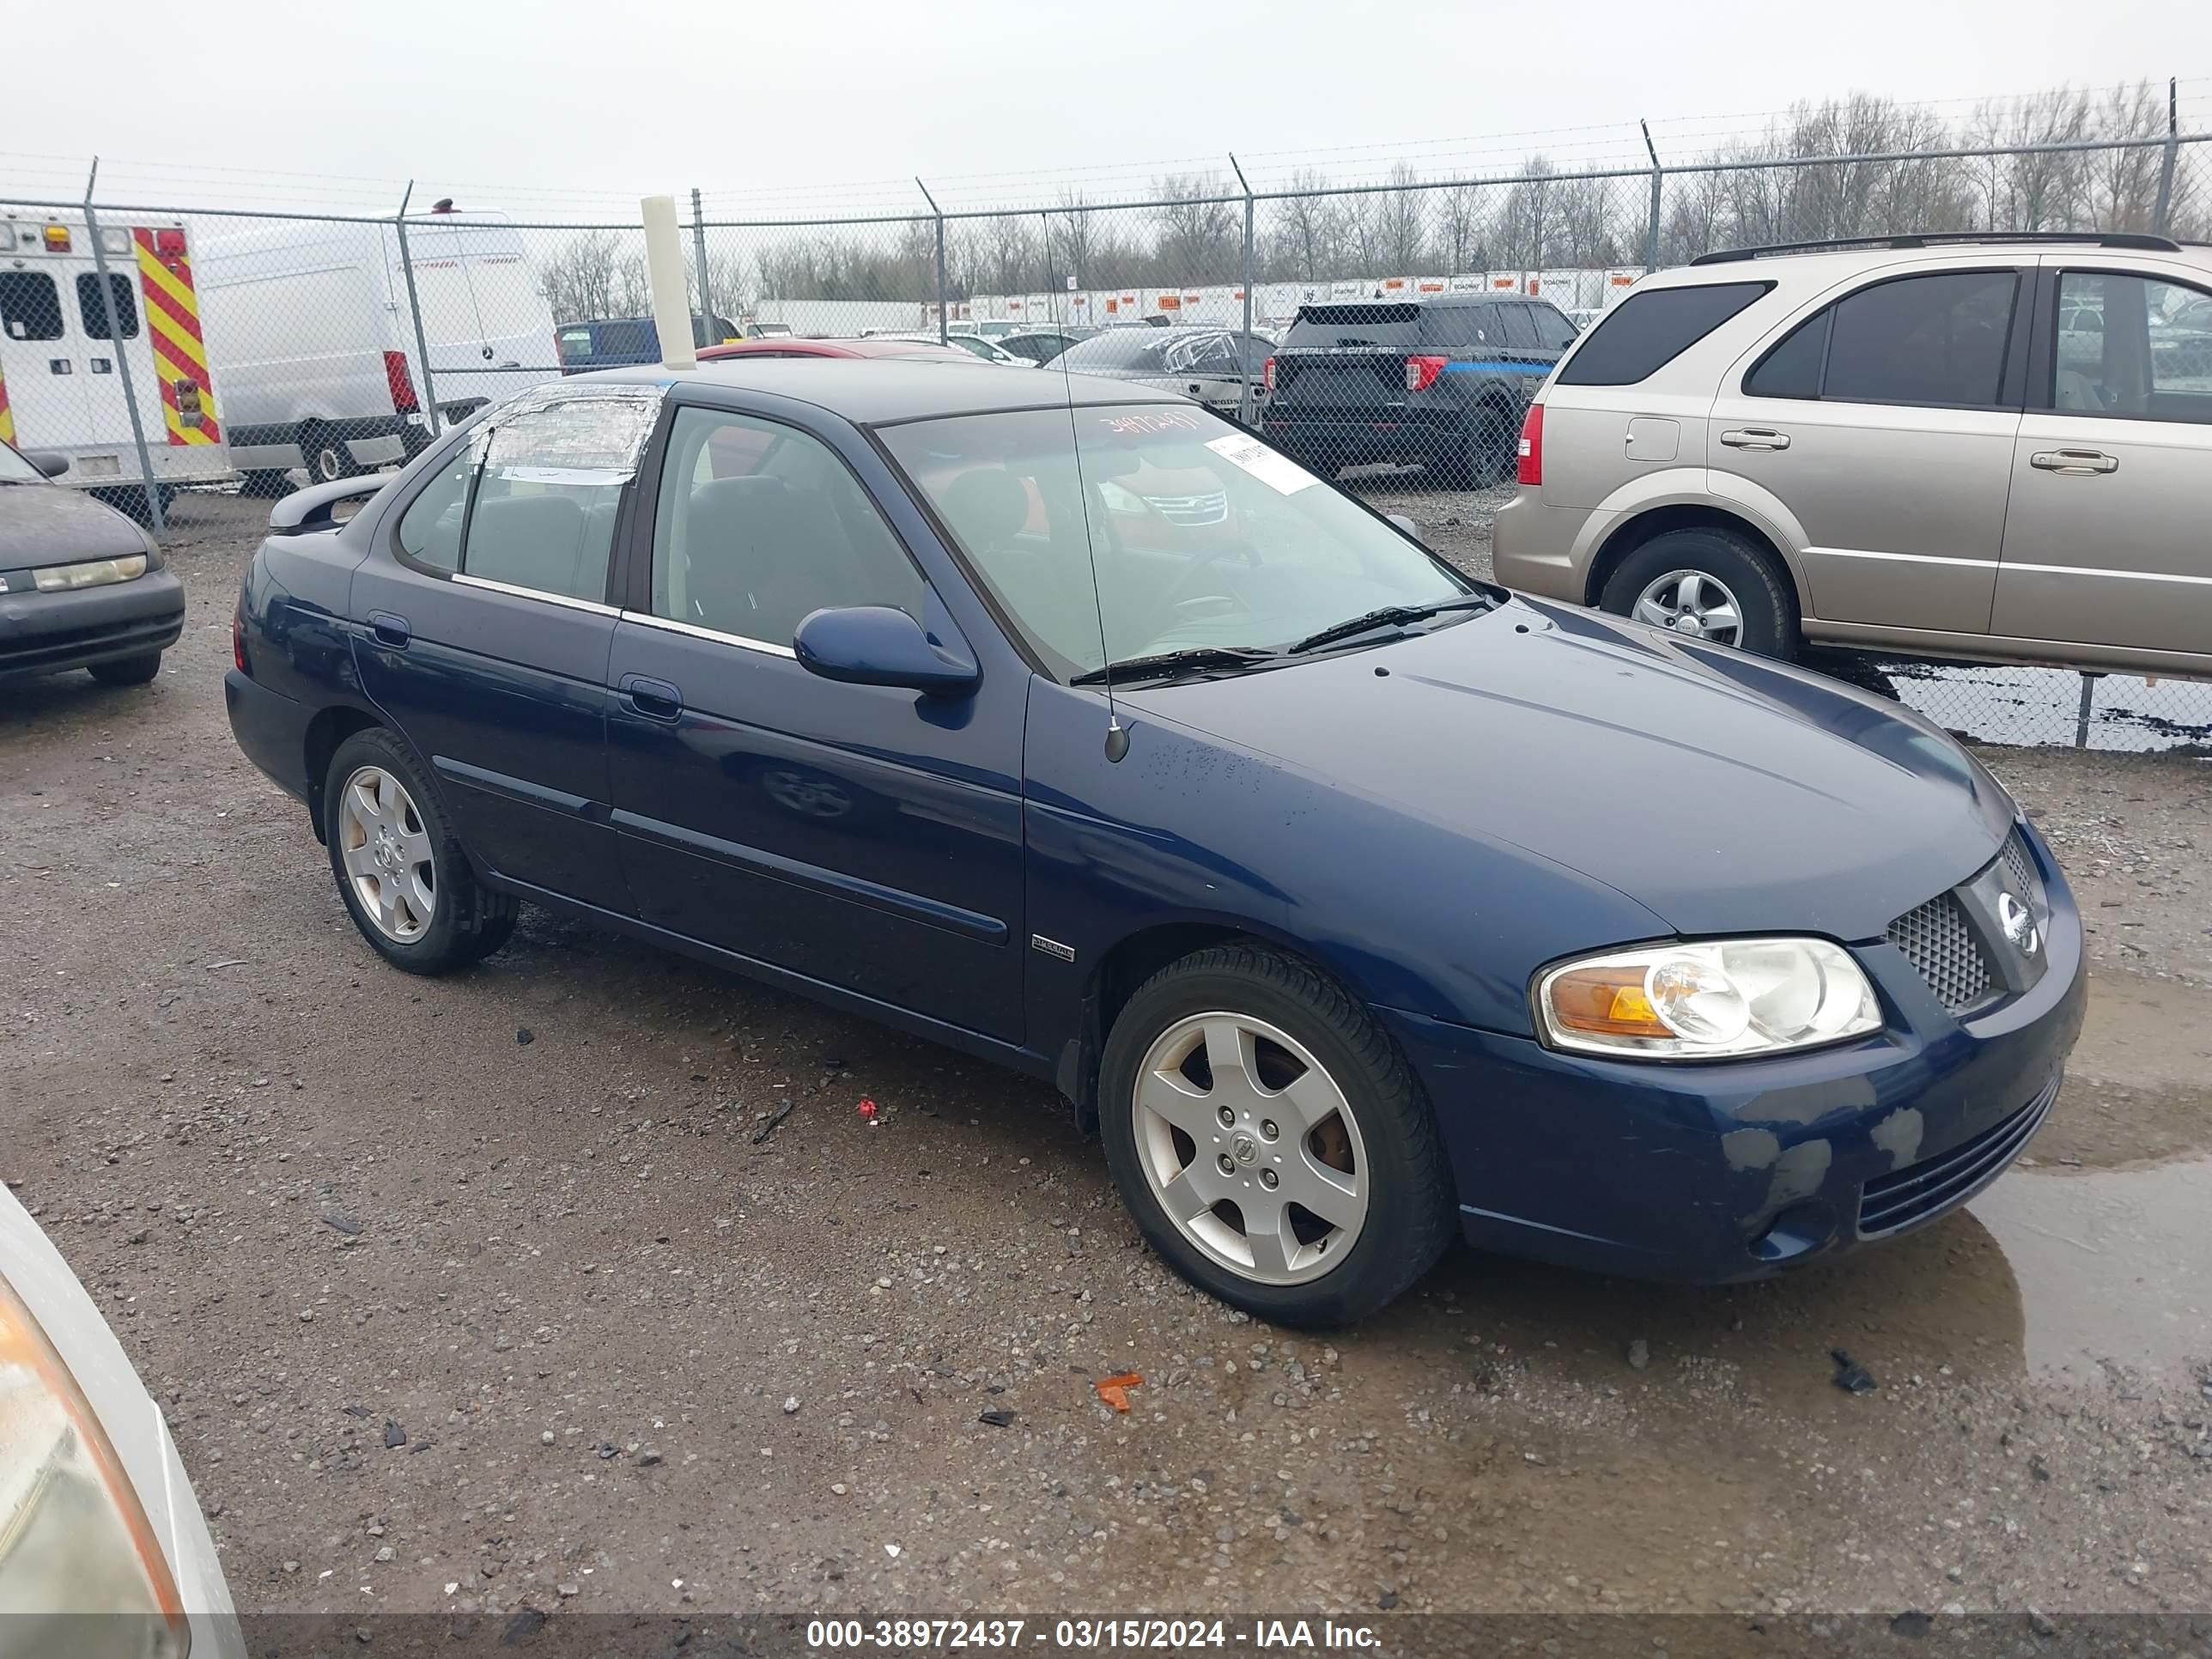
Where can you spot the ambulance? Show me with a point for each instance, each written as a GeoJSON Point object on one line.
{"type": "Point", "coordinates": [61, 366]}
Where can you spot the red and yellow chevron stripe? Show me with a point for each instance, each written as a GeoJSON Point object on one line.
{"type": "Point", "coordinates": [173, 316]}
{"type": "Point", "coordinates": [7, 416]}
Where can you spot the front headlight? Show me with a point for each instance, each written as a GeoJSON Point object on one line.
{"type": "Point", "coordinates": [74, 1539]}
{"type": "Point", "coordinates": [93, 573]}
{"type": "Point", "coordinates": [1715, 999]}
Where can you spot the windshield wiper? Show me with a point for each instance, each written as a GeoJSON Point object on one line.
{"type": "Point", "coordinates": [1389, 616]}
{"type": "Point", "coordinates": [1175, 662]}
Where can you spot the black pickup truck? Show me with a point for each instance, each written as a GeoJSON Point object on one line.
{"type": "Point", "coordinates": [1440, 382]}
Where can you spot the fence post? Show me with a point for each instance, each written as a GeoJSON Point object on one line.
{"type": "Point", "coordinates": [2163, 220]}
{"type": "Point", "coordinates": [1245, 412]}
{"type": "Point", "coordinates": [938, 213]}
{"type": "Point", "coordinates": [2082, 713]}
{"type": "Point", "coordinates": [1658, 183]}
{"type": "Point", "coordinates": [415, 309]}
{"type": "Point", "coordinates": [706, 323]}
{"type": "Point", "coordinates": [115, 343]}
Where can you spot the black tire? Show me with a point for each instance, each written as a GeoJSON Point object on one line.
{"type": "Point", "coordinates": [265, 485]}
{"type": "Point", "coordinates": [1763, 597]}
{"type": "Point", "coordinates": [326, 457]}
{"type": "Point", "coordinates": [1489, 453]}
{"type": "Point", "coordinates": [128, 671]}
{"type": "Point", "coordinates": [1411, 1212]}
{"type": "Point", "coordinates": [468, 920]}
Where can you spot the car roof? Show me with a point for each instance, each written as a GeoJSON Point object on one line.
{"type": "Point", "coordinates": [874, 345]}
{"type": "Point", "coordinates": [1820, 265]}
{"type": "Point", "coordinates": [869, 391]}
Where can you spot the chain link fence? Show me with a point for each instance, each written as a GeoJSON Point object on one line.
{"type": "Point", "coordinates": [1388, 332]}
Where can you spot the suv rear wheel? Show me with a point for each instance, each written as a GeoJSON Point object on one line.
{"type": "Point", "coordinates": [1710, 584]}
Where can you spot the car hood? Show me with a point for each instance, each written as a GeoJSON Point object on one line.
{"type": "Point", "coordinates": [1722, 791]}
{"type": "Point", "coordinates": [47, 524]}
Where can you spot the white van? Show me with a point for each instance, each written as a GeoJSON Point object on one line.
{"type": "Point", "coordinates": [308, 326]}
{"type": "Point", "coordinates": [62, 368]}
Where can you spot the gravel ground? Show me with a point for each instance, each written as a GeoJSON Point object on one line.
{"type": "Point", "coordinates": [484, 1293]}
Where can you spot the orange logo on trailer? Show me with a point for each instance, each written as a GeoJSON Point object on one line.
{"type": "Point", "coordinates": [165, 277]}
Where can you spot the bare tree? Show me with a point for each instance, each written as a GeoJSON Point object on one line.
{"type": "Point", "coordinates": [1400, 233]}
{"type": "Point", "coordinates": [1200, 230]}
{"type": "Point", "coordinates": [1305, 243]}
{"type": "Point", "coordinates": [1464, 229]}
{"type": "Point", "coordinates": [593, 277]}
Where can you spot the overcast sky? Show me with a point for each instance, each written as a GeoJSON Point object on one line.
{"type": "Point", "coordinates": [626, 96]}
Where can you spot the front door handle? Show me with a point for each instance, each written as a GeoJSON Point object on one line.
{"type": "Point", "coordinates": [2075, 463]}
{"type": "Point", "coordinates": [1755, 437]}
{"type": "Point", "coordinates": [390, 629]}
{"type": "Point", "coordinates": [656, 700]}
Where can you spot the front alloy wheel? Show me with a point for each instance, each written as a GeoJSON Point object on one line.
{"type": "Point", "coordinates": [1250, 1147]}
{"type": "Point", "coordinates": [1269, 1139]}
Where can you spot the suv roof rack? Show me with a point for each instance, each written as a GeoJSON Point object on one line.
{"type": "Point", "coordinates": [2140, 241]}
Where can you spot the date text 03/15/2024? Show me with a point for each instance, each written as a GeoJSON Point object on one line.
{"type": "Point", "coordinates": [1083, 1635]}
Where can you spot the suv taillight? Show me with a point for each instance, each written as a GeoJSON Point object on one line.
{"type": "Point", "coordinates": [1421, 373]}
{"type": "Point", "coordinates": [400, 382]}
{"type": "Point", "coordinates": [1531, 446]}
{"type": "Point", "coordinates": [1267, 374]}
{"type": "Point", "coordinates": [238, 641]}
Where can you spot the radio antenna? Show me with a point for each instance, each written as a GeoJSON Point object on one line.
{"type": "Point", "coordinates": [1117, 736]}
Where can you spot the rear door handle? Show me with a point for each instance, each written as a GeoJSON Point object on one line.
{"type": "Point", "coordinates": [1755, 437]}
{"type": "Point", "coordinates": [390, 629]}
{"type": "Point", "coordinates": [656, 700]}
{"type": "Point", "coordinates": [2079, 463]}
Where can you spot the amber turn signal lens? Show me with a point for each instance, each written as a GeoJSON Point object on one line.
{"type": "Point", "coordinates": [1605, 1002]}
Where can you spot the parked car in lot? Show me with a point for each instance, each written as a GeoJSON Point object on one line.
{"type": "Point", "coordinates": [1040, 345]}
{"type": "Point", "coordinates": [81, 585]}
{"type": "Point", "coordinates": [1440, 383]}
{"type": "Point", "coordinates": [625, 341]}
{"type": "Point", "coordinates": [105, 1550]}
{"type": "Point", "coordinates": [1219, 367]}
{"type": "Point", "coordinates": [895, 347]}
{"type": "Point", "coordinates": [980, 347]}
{"type": "Point", "coordinates": [1986, 447]}
{"type": "Point", "coordinates": [1358, 902]}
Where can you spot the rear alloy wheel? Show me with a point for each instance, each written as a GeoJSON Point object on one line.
{"type": "Point", "coordinates": [404, 877]}
{"type": "Point", "coordinates": [1706, 583]}
{"type": "Point", "coordinates": [1269, 1140]}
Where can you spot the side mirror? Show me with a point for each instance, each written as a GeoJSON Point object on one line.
{"type": "Point", "coordinates": [1412, 531]}
{"type": "Point", "coordinates": [876, 645]}
{"type": "Point", "coordinates": [49, 462]}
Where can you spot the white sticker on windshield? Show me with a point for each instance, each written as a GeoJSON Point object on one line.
{"type": "Point", "coordinates": [1271, 468]}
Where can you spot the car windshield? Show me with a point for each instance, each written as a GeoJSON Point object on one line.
{"type": "Point", "coordinates": [1205, 538]}
{"type": "Point", "coordinates": [13, 469]}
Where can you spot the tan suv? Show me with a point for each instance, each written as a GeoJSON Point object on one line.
{"type": "Point", "coordinates": [1997, 448]}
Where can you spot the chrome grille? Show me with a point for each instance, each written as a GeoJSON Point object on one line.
{"type": "Point", "coordinates": [1211, 508]}
{"type": "Point", "coordinates": [2020, 866]}
{"type": "Point", "coordinates": [1936, 940]}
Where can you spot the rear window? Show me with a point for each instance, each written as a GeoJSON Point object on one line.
{"type": "Point", "coordinates": [1318, 327]}
{"type": "Point", "coordinates": [1520, 326]}
{"type": "Point", "coordinates": [30, 308]}
{"type": "Point", "coordinates": [575, 343]}
{"type": "Point", "coordinates": [1649, 328]}
{"type": "Point", "coordinates": [1120, 348]}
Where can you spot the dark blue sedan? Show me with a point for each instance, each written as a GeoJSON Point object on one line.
{"type": "Point", "coordinates": [1356, 903]}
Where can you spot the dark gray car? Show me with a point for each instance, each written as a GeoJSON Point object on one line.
{"type": "Point", "coordinates": [1219, 367]}
{"type": "Point", "coordinates": [80, 586]}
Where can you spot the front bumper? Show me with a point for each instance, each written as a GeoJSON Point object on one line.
{"type": "Point", "coordinates": [1714, 1172]}
{"type": "Point", "coordinates": [46, 633]}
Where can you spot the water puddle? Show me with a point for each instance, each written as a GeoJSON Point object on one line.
{"type": "Point", "coordinates": [2113, 1266]}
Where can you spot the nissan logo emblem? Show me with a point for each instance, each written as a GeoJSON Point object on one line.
{"type": "Point", "coordinates": [2018, 923]}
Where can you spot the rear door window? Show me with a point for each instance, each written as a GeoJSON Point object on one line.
{"type": "Point", "coordinates": [1453, 328]}
{"type": "Point", "coordinates": [1938, 339]}
{"type": "Point", "coordinates": [1520, 327]}
{"type": "Point", "coordinates": [94, 312]}
{"type": "Point", "coordinates": [30, 307]}
{"type": "Point", "coordinates": [1553, 331]}
{"type": "Point", "coordinates": [1649, 328]}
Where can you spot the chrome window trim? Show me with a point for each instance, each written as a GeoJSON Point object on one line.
{"type": "Point", "coordinates": [696, 632]}
{"type": "Point", "coordinates": [520, 592]}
